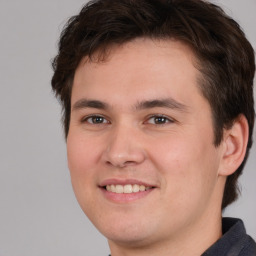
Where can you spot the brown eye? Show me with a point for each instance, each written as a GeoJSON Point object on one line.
{"type": "Point", "coordinates": [96, 120]}
{"type": "Point", "coordinates": [158, 120]}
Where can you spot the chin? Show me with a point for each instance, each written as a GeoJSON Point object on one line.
{"type": "Point", "coordinates": [128, 232]}
{"type": "Point", "coordinates": [129, 239]}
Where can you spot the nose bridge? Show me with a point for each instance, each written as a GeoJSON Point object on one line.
{"type": "Point", "coordinates": [124, 146]}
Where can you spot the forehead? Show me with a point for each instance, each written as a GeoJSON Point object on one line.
{"type": "Point", "coordinates": [142, 68]}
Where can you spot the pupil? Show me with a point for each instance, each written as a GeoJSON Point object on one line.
{"type": "Point", "coordinates": [97, 119]}
{"type": "Point", "coordinates": [160, 120]}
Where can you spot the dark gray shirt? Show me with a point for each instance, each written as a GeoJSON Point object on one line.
{"type": "Point", "coordinates": [234, 242]}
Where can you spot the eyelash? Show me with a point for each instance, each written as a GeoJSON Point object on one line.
{"type": "Point", "coordinates": [95, 117]}
{"type": "Point", "coordinates": [102, 120]}
{"type": "Point", "coordinates": [163, 118]}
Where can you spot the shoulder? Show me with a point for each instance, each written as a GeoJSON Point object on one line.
{"type": "Point", "coordinates": [249, 247]}
{"type": "Point", "coordinates": [234, 241]}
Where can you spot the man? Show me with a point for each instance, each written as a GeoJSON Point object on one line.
{"type": "Point", "coordinates": [158, 116]}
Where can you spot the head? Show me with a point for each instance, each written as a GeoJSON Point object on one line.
{"type": "Point", "coordinates": [223, 56]}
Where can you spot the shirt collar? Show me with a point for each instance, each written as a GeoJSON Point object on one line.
{"type": "Point", "coordinates": [232, 240]}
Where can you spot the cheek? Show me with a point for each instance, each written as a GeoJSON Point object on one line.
{"type": "Point", "coordinates": [81, 153]}
{"type": "Point", "coordinates": [81, 159]}
{"type": "Point", "coordinates": [188, 166]}
{"type": "Point", "coordinates": [81, 163]}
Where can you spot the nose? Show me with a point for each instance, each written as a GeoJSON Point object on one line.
{"type": "Point", "coordinates": [124, 147]}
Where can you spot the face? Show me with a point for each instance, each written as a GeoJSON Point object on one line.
{"type": "Point", "coordinates": [140, 145]}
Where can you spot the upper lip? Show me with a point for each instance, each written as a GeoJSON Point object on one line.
{"type": "Point", "coordinates": [124, 182]}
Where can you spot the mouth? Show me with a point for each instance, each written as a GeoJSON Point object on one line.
{"type": "Point", "coordinates": [123, 191]}
{"type": "Point", "coordinates": [126, 189]}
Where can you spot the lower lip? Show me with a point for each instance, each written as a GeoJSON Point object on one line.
{"type": "Point", "coordinates": [125, 197]}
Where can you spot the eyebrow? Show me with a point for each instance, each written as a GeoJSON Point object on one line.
{"type": "Point", "coordinates": [85, 103]}
{"type": "Point", "coordinates": [162, 103]}
{"type": "Point", "coordinates": [148, 104]}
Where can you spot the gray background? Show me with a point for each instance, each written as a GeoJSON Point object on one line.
{"type": "Point", "coordinates": [39, 214]}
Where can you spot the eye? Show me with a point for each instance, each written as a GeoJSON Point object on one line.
{"type": "Point", "coordinates": [95, 120]}
{"type": "Point", "coordinates": [159, 119]}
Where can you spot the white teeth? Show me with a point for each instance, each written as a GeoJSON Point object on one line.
{"type": "Point", "coordinates": [119, 189]}
{"type": "Point", "coordinates": [113, 188]}
{"type": "Point", "coordinates": [127, 189]}
{"type": "Point", "coordinates": [142, 188]}
{"type": "Point", "coordinates": [135, 188]}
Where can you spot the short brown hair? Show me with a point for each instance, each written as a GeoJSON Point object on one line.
{"type": "Point", "coordinates": [225, 57]}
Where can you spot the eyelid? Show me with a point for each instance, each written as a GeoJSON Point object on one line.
{"type": "Point", "coordinates": [170, 120]}
{"type": "Point", "coordinates": [85, 118]}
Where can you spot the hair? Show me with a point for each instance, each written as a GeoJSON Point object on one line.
{"type": "Point", "coordinates": [224, 55]}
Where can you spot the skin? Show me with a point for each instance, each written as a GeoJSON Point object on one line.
{"type": "Point", "coordinates": [175, 153]}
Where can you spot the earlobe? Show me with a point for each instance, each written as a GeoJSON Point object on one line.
{"type": "Point", "coordinates": [234, 142]}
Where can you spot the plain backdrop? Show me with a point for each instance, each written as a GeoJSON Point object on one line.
{"type": "Point", "coordinates": [39, 214]}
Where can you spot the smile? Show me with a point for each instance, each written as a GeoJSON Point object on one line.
{"type": "Point", "coordinates": [126, 189]}
{"type": "Point", "coordinates": [122, 191]}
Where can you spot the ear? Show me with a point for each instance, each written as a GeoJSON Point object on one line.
{"type": "Point", "coordinates": [234, 145]}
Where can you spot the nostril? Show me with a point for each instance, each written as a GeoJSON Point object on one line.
{"type": "Point", "coordinates": [122, 157]}
{"type": "Point", "coordinates": [120, 164]}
